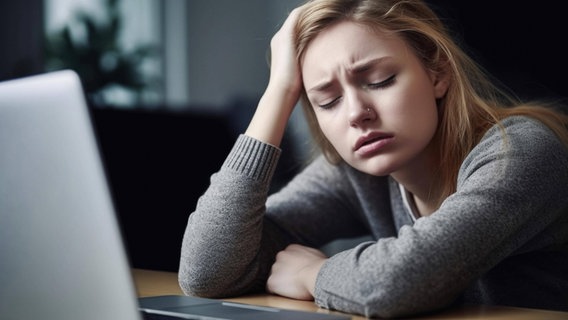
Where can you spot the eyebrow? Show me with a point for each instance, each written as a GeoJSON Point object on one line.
{"type": "Point", "coordinates": [357, 68]}
{"type": "Point", "coordinates": [364, 65]}
{"type": "Point", "coordinates": [322, 86]}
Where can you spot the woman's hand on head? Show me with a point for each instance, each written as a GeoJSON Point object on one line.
{"type": "Point", "coordinates": [284, 86]}
{"type": "Point", "coordinates": [284, 66]}
{"type": "Point", "coordinates": [294, 272]}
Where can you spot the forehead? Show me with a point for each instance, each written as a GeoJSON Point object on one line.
{"type": "Point", "coordinates": [344, 44]}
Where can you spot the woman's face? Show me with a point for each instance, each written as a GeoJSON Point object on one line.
{"type": "Point", "coordinates": [373, 99]}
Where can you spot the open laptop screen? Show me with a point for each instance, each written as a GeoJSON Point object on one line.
{"type": "Point", "coordinates": [61, 253]}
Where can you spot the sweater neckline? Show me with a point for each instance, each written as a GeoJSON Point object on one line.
{"type": "Point", "coordinates": [409, 204]}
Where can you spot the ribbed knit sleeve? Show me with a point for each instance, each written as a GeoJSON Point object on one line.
{"type": "Point", "coordinates": [253, 158]}
{"type": "Point", "coordinates": [222, 253]}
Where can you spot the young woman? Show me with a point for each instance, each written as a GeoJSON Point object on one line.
{"type": "Point", "coordinates": [463, 190]}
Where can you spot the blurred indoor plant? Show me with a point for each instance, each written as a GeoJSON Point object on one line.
{"type": "Point", "coordinates": [92, 49]}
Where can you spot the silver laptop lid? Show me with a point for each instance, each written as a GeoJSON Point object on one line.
{"type": "Point", "coordinates": [61, 252]}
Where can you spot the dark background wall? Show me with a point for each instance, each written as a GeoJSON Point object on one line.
{"type": "Point", "coordinates": [21, 42]}
{"type": "Point", "coordinates": [521, 42]}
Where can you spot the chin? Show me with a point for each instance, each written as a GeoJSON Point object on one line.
{"type": "Point", "coordinates": [374, 168]}
{"type": "Point", "coordinates": [378, 173]}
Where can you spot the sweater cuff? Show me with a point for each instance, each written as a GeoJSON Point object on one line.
{"type": "Point", "coordinates": [253, 158]}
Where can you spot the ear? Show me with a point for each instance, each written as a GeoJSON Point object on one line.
{"type": "Point", "coordinates": [441, 82]}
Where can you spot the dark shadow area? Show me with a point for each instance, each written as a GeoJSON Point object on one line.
{"type": "Point", "coordinates": [21, 38]}
{"type": "Point", "coordinates": [521, 43]}
{"type": "Point", "coordinates": [158, 164]}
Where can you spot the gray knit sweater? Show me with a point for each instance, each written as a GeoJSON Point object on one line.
{"type": "Point", "coordinates": [501, 238]}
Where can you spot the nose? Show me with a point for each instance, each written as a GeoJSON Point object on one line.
{"type": "Point", "coordinates": [360, 111]}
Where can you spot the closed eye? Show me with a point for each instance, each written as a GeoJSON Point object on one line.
{"type": "Point", "coordinates": [383, 84]}
{"type": "Point", "coordinates": [329, 105]}
{"type": "Point", "coordinates": [378, 85]}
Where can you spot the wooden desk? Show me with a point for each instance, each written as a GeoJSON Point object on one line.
{"type": "Point", "coordinates": [155, 283]}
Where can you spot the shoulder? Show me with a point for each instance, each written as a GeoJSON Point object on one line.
{"type": "Point", "coordinates": [529, 130]}
{"type": "Point", "coordinates": [520, 144]}
{"type": "Point", "coordinates": [520, 135]}
{"type": "Point", "coordinates": [521, 128]}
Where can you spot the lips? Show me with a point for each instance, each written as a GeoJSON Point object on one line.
{"type": "Point", "coordinates": [372, 142]}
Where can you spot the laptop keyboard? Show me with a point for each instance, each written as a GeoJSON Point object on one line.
{"type": "Point", "coordinates": [156, 316]}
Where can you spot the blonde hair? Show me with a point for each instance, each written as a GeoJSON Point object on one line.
{"type": "Point", "coordinates": [472, 104]}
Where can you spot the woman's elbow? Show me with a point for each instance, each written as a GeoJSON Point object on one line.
{"type": "Point", "coordinates": [208, 282]}
{"type": "Point", "coordinates": [390, 306]}
{"type": "Point", "coordinates": [196, 282]}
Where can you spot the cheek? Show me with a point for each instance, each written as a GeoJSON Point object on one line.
{"type": "Point", "coordinates": [420, 121]}
{"type": "Point", "coordinates": [330, 124]}
{"type": "Point", "coordinates": [325, 126]}
{"type": "Point", "coordinates": [420, 106]}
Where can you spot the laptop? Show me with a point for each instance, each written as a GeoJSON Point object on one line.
{"type": "Point", "coordinates": [62, 254]}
